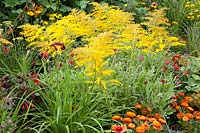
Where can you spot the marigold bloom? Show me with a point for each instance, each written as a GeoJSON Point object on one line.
{"type": "Point", "coordinates": [185, 118]}
{"type": "Point", "coordinates": [181, 94]}
{"type": "Point", "coordinates": [190, 109]}
{"type": "Point", "coordinates": [188, 99]}
{"type": "Point", "coordinates": [196, 113]}
{"type": "Point", "coordinates": [140, 129]}
{"type": "Point", "coordinates": [180, 115]}
{"type": "Point", "coordinates": [162, 121]}
{"type": "Point", "coordinates": [197, 118]}
{"type": "Point", "coordinates": [116, 117]}
{"type": "Point", "coordinates": [177, 107]}
{"type": "Point", "coordinates": [138, 106]}
{"type": "Point", "coordinates": [157, 125]}
{"type": "Point", "coordinates": [130, 114]}
{"type": "Point", "coordinates": [189, 116]}
{"type": "Point", "coordinates": [157, 116]}
{"type": "Point", "coordinates": [118, 128]}
{"type": "Point", "coordinates": [141, 117]}
{"type": "Point", "coordinates": [71, 61]}
{"type": "Point", "coordinates": [131, 125]}
{"type": "Point", "coordinates": [184, 104]}
{"type": "Point", "coordinates": [146, 126]}
{"type": "Point", "coordinates": [127, 120]}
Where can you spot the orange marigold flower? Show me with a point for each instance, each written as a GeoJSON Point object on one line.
{"type": "Point", "coordinates": [185, 118]}
{"type": "Point", "coordinates": [196, 113]}
{"type": "Point", "coordinates": [146, 126]}
{"type": "Point", "coordinates": [140, 129]}
{"type": "Point", "coordinates": [138, 106]}
{"type": "Point", "coordinates": [180, 115]}
{"type": "Point", "coordinates": [197, 118]}
{"type": "Point", "coordinates": [157, 116]}
{"type": "Point", "coordinates": [146, 111]}
{"type": "Point", "coordinates": [131, 125]}
{"type": "Point", "coordinates": [141, 117]}
{"type": "Point", "coordinates": [118, 128]}
{"type": "Point", "coordinates": [181, 94]}
{"type": "Point", "coordinates": [162, 121]}
{"type": "Point", "coordinates": [130, 114]}
{"type": "Point", "coordinates": [184, 104]}
{"type": "Point", "coordinates": [177, 107]}
{"type": "Point", "coordinates": [127, 120]}
{"type": "Point", "coordinates": [188, 99]}
{"type": "Point", "coordinates": [190, 109]}
{"type": "Point", "coordinates": [189, 116]}
{"type": "Point", "coordinates": [116, 117]}
{"type": "Point", "coordinates": [157, 125]}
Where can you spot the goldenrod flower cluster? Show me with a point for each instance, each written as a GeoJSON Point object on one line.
{"type": "Point", "coordinates": [35, 11]}
{"type": "Point", "coordinates": [105, 29]}
{"type": "Point", "coordinates": [193, 10]}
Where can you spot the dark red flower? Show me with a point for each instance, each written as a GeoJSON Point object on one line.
{"type": "Point", "coordinates": [71, 62]}
{"type": "Point", "coordinates": [25, 106]}
{"type": "Point", "coordinates": [6, 50]}
{"type": "Point", "coordinates": [174, 58]}
{"type": "Point", "coordinates": [164, 68]}
{"type": "Point", "coordinates": [115, 50]}
{"type": "Point", "coordinates": [176, 67]}
{"type": "Point", "coordinates": [163, 81]}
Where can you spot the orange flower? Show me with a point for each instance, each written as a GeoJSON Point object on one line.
{"type": "Point", "coordinates": [177, 107]}
{"type": "Point", "coordinates": [146, 126]}
{"type": "Point", "coordinates": [157, 125]}
{"type": "Point", "coordinates": [184, 104]}
{"type": "Point", "coordinates": [180, 115]}
{"type": "Point", "coordinates": [45, 54]}
{"type": "Point", "coordinates": [181, 94]}
{"type": "Point", "coordinates": [189, 116]}
{"type": "Point", "coordinates": [141, 117]}
{"type": "Point", "coordinates": [131, 125]}
{"type": "Point", "coordinates": [140, 129]}
{"type": "Point", "coordinates": [157, 116]}
{"type": "Point", "coordinates": [188, 99]}
{"type": "Point", "coordinates": [118, 128]}
{"type": "Point", "coordinates": [138, 106]}
{"type": "Point", "coordinates": [127, 120]}
{"type": "Point", "coordinates": [146, 111]}
{"type": "Point", "coordinates": [162, 121]}
{"type": "Point", "coordinates": [190, 109]}
{"type": "Point", "coordinates": [130, 114]}
{"type": "Point", "coordinates": [197, 118]}
{"type": "Point", "coordinates": [116, 117]}
{"type": "Point", "coordinates": [196, 113]}
{"type": "Point", "coordinates": [185, 118]}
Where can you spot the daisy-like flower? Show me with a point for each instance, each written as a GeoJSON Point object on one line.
{"type": "Point", "coordinates": [118, 128]}
{"type": "Point", "coordinates": [154, 5]}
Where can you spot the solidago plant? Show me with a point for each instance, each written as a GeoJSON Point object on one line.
{"type": "Point", "coordinates": [105, 30]}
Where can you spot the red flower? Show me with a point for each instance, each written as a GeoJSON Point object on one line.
{"type": "Point", "coordinates": [176, 67]}
{"type": "Point", "coordinates": [36, 81]}
{"type": "Point", "coordinates": [141, 58]}
{"type": "Point", "coordinates": [163, 81]}
{"type": "Point", "coordinates": [6, 50]}
{"type": "Point", "coordinates": [167, 61]}
{"type": "Point", "coordinates": [174, 58]}
{"type": "Point", "coordinates": [164, 68]}
{"type": "Point", "coordinates": [44, 54]}
{"type": "Point", "coordinates": [25, 106]}
{"type": "Point", "coordinates": [186, 72]}
{"type": "Point", "coordinates": [71, 62]}
{"type": "Point", "coordinates": [119, 128]}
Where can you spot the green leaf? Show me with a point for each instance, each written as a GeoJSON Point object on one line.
{"type": "Point", "coordinates": [12, 3]}
{"type": "Point", "coordinates": [64, 8]}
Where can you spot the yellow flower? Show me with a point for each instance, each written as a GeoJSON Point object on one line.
{"type": "Point", "coordinates": [5, 41]}
{"type": "Point", "coordinates": [30, 13]}
{"type": "Point", "coordinates": [175, 22]}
